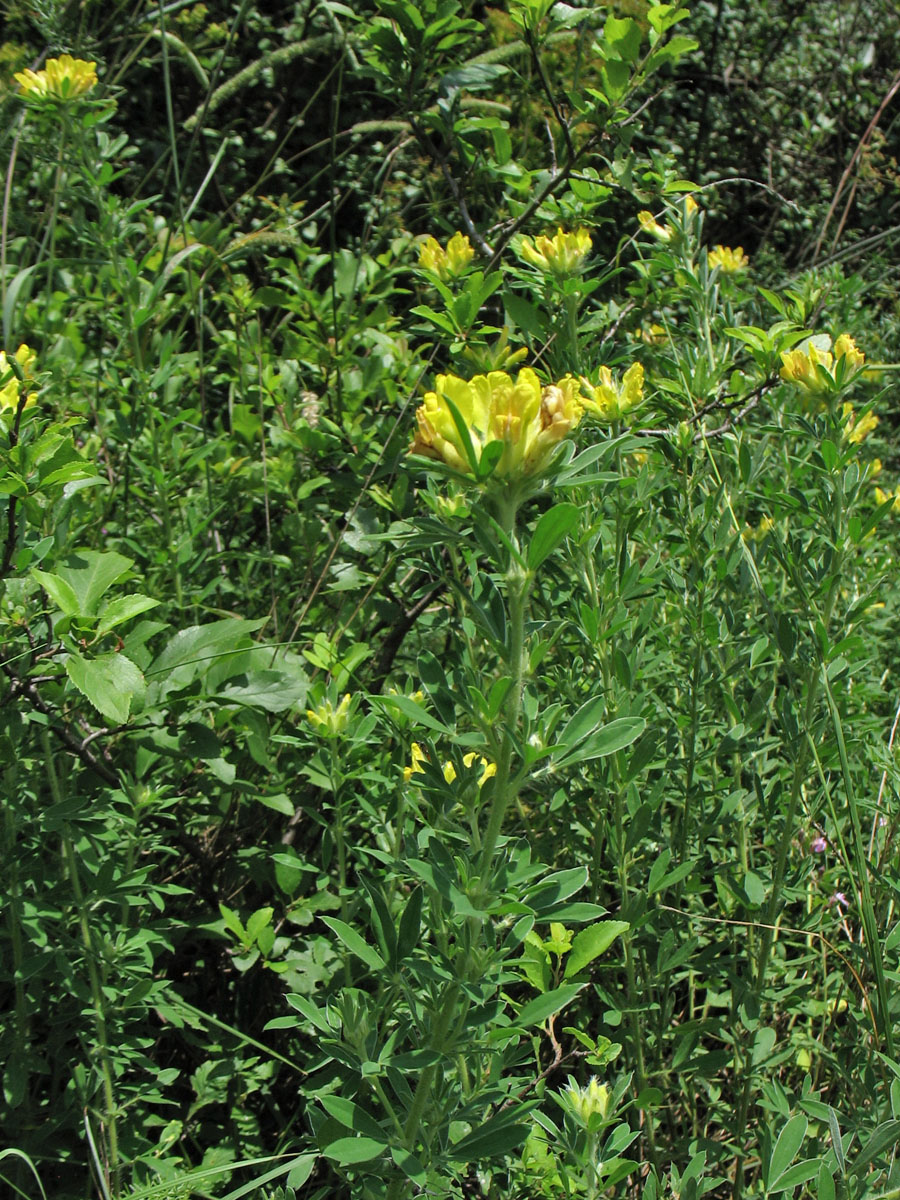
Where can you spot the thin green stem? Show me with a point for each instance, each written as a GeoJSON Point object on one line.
{"type": "Point", "coordinates": [97, 999]}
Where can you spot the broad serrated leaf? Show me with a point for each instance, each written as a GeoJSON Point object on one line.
{"type": "Point", "coordinates": [123, 608]}
{"type": "Point", "coordinates": [109, 681]}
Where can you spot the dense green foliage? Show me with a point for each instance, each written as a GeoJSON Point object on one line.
{"type": "Point", "coordinates": [512, 818]}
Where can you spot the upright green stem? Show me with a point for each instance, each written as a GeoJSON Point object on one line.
{"type": "Point", "coordinates": [105, 1062]}
{"type": "Point", "coordinates": [801, 762]}
{"type": "Point", "coordinates": [518, 582]}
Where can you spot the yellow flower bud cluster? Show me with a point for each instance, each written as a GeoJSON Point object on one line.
{"type": "Point", "coordinates": [447, 263]}
{"type": "Point", "coordinates": [588, 1101]}
{"type": "Point", "coordinates": [856, 430]}
{"type": "Point", "coordinates": [727, 260]}
{"type": "Point", "coordinates": [25, 359]}
{"type": "Point", "coordinates": [328, 720]}
{"type": "Point", "coordinates": [527, 419]}
{"type": "Point", "coordinates": [417, 757]}
{"type": "Point", "coordinates": [562, 255]}
{"type": "Point", "coordinates": [610, 401]}
{"type": "Point", "coordinates": [63, 78]}
{"type": "Point", "coordinates": [815, 370]}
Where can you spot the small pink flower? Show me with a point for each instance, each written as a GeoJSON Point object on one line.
{"type": "Point", "coordinates": [819, 845]}
{"type": "Point", "coordinates": [839, 899]}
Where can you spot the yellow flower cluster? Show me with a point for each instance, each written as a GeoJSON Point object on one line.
{"type": "Point", "coordinates": [447, 263]}
{"type": "Point", "coordinates": [562, 255]}
{"type": "Point", "coordinates": [815, 370]}
{"type": "Point", "coordinates": [588, 1101]}
{"type": "Point", "coordinates": [857, 430]}
{"type": "Point", "coordinates": [611, 401]}
{"type": "Point", "coordinates": [9, 392]}
{"type": "Point", "coordinates": [528, 420]}
{"type": "Point", "coordinates": [328, 720]}
{"type": "Point", "coordinates": [417, 757]}
{"type": "Point", "coordinates": [727, 260]}
{"type": "Point", "coordinates": [63, 78]}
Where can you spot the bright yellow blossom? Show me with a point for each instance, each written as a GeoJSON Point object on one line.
{"type": "Point", "coordinates": [489, 769]}
{"type": "Point", "coordinates": [882, 497]}
{"type": "Point", "coordinates": [588, 1101]}
{"type": "Point", "coordinates": [328, 720]}
{"type": "Point", "coordinates": [649, 224]}
{"type": "Point", "coordinates": [417, 757]}
{"type": "Point", "coordinates": [803, 368]}
{"type": "Point", "coordinates": [727, 260]}
{"type": "Point", "coordinates": [563, 254]}
{"type": "Point", "coordinates": [528, 420]}
{"type": "Point", "coordinates": [9, 391]}
{"type": "Point", "coordinates": [610, 401]}
{"type": "Point", "coordinates": [449, 263]}
{"type": "Point", "coordinates": [62, 78]}
{"type": "Point", "coordinates": [856, 431]}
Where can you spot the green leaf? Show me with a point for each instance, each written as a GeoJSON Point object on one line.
{"type": "Point", "coordinates": [311, 1011]}
{"type": "Point", "coordinates": [409, 1165]}
{"type": "Point", "coordinates": [192, 651]}
{"type": "Point", "coordinates": [109, 681]}
{"type": "Point", "coordinates": [355, 944]}
{"type": "Point", "coordinates": [525, 315]}
{"type": "Point", "coordinates": [496, 1137]}
{"type": "Point", "coordinates": [352, 1116]}
{"type": "Point", "coordinates": [91, 574]}
{"type": "Point", "coordinates": [590, 943]}
{"type": "Point", "coordinates": [354, 1150]}
{"type": "Point", "coordinates": [273, 691]}
{"type": "Point", "coordinates": [536, 1011]}
{"type": "Point", "coordinates": [886, 1134]}
{"type": "Point", "coordinates": [800, 1172]}
{"type": "Point", "coordinates": [590, 742]}
{"type": "Point", "coordinates": [60, 592]}
{"type": "Point", "coordinates": [785, 1149]}
{"type": "Point", "coordinates": [123, 608]}
{"type": "Point", "coordinates": [415, 713]}
{"type": "Point", "coordinates": [553, 527]}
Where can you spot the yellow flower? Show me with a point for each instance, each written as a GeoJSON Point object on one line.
{"type": "Point", "coordinates": [417, 757]}
{"type": "Point", "coordinates": [856, 431]}
{"type": "Point", "coordinates": [528, 420]}
{"type": "Point", "coordinates": [588, 1101]}
{"type": "Point", "coordinates": [489, 769]}
{"type": "Point", "coordinates": [846, 348]}
{"type": "Point", "coordinates": [882, 497]}
{"type": "Point", "coordinates": [328, 720]}
{"type": "Point", "coordinates": [611, 402]}
{"type": "Point", "coordinates": [727, 260]}
{"type": "Point", "coordinates": [449, 263]}
{"type": "Point", "coordinates": [816, 370]}
{"type": "Point", "coordinates": [62, 78]}
{"type": "Point", "coordinates": [654, 335]}
{"type": "Point", "coordinates": [563, 254]}
{"type": "Point", "coordinates": [649, 224]}
{"type": "Point", "coordinates": [874, 468]}
{"type": "Point", "coordinates": [757, 534]}
{"type": "Point", "coordinates": [9, 391]}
